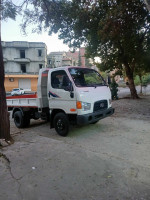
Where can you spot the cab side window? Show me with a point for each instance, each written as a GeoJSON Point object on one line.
{"type": "Point", "coordinates": [59, 79]}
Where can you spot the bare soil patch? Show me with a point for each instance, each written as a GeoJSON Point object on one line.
{"type": "Point", "coordinates": [133, 108]}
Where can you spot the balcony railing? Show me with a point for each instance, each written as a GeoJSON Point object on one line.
{"type": "Point", "coordinates": [22, 60]}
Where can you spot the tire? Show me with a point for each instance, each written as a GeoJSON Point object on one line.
{"type": "Point", "coordinates": [61, 124]}
{"type": "Point", "coordinates": [18, 119]}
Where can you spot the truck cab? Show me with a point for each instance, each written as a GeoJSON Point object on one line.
{"type": "Point", "coordinates": [77, 95]}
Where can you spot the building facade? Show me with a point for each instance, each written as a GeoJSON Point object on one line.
{"type": "Point", "coordinates": [22, 61]}
{"type": "Point", "coordinates": [76, 58]}
{"type": "Point", "coordinates": [54, 59]}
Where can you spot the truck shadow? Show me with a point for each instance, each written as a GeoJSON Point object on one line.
{"type": "Point", "coordinates": [36, 123]}
{"type": "Point", "coordinates": [87, 130]}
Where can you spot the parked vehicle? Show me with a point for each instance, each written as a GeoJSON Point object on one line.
{"type": "Point", "coordinates": [65, 95]}
{"type": "Point", "coordinates": [17, 91]}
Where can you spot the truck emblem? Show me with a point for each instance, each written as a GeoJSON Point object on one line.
{"type": "Point", "coordinates": [102, 105]}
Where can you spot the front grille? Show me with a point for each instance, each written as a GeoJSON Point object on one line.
{"type": "Point", "coordinates": [100, 105]}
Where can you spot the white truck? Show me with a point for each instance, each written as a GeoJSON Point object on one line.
{"type": "Point", "coordinates": [65, 95]}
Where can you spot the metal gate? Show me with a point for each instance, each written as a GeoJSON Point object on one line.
{"type": "Point", "coordinates": [25, 84]}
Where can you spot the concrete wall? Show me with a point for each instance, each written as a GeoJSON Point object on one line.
{"type": "Point", "coordinates": [10, 85]}
{"type": "Point", "coordinates": [32, 60]}
{"type": "Point", "coordinates": [55, 58]}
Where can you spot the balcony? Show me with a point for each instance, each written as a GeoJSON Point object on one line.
{"type": "Point", "coordinates": [22, 60]}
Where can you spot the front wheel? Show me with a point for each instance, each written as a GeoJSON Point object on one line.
{"type": "Point", "coordinates": [61, 124]}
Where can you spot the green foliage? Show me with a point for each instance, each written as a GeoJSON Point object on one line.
{"type": "Point", "coordinates": [90, 80]}
{"type": "Point", "coordinates": [137, 80]}
{"type": "Point", "coordinates": [145, 80]}
{"type": "Point", "coordinates": [114, 89]}
{"type": "Point", "coordinates": [116, 31]}
{"type": "Point", "coordinates": [8, 10]}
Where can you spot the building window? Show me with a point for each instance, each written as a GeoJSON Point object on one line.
{"type": "Point", "coordinates": [23, 68]}
{"type": "Point", "coordinates": [22, 53]}
{"type": "Point", "coordinates": [40, 66]}
{"type": "Point", "coordinates": [39, 52]}
{"type": "Point", "coordinates": [49, 62]}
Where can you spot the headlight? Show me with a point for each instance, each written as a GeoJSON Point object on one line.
{"type": "Point", "coordinates": [83, 105]}
{"type": "Point", "coordinates": [86, 106]}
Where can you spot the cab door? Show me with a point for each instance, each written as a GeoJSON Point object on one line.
{"type": "Point", "coordinates": [59, 94]}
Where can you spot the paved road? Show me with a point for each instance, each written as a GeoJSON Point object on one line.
{"type": "Point", "coordinates": [123, 92]}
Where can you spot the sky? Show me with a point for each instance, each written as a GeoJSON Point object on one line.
{"type": "Point", "coordinates": [10, 31]}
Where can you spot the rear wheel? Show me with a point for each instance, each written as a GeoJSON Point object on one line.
{"type": "Point", "coordinates": [18, 119]}
{"type": "Point", "coordinates": [61, 124]}
{"type": "Point", "coordinates": [21, 121]}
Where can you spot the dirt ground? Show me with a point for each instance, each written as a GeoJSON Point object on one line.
{"type": "Point", "coordinates": [134, 109]}
{"type": "Point", "coordinates": [106, 161]}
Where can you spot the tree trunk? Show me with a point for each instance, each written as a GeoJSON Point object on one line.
{"type": "Point", "coordinates": [4, 115]}
{"type": "Point", "coordinates": [131, 85]}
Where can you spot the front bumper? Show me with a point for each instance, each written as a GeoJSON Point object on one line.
{"type": "Point", "coordinates": [93, 117]}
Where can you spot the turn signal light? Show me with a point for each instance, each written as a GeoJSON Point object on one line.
{"type": "Point", "coordinates": [79, 105]}
{"type": "Point", "coordinates": [72, 109]}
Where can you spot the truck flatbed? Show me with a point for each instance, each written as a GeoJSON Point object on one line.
{"type": "Point", "coordinates": [26, 100]}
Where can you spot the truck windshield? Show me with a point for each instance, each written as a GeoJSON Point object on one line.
{"type": "Point", "coordinates": [84, 77]}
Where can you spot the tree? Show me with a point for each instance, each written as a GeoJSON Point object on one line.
{"type": "Point", "coordinates": [79, 59]}
{"type": "Point", "coordinates": [143, 68]}
{"type": "Point", "coordinates": [116, 31]}
{"type": "Point", "coordinates": [87, 62]}
{"type": "Point", "coordinates": [7, 9]}
{"type": "Point", "coordinates": [147, 2]}
{"type": "Point", "coordinates": [123, 37]}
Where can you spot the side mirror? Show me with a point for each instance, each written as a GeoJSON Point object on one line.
{"type": "Point", "coordinates": [70, 89]}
